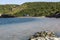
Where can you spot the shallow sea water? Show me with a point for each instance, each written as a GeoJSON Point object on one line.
{"type": "Point", "coordinates": [23, 28]}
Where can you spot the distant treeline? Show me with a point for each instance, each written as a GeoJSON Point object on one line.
{"type": "Point", "coordinates": [31, 8]}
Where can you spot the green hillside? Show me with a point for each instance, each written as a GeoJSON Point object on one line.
{"type": "Point", "coordinates": [7, 9]}
{"type": "Point", "coordinates": [31, 8]}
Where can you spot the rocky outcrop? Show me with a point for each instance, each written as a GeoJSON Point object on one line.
{"type": "Point", "coordinates": [43, 35]}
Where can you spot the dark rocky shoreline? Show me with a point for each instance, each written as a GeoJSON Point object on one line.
{"type": "Point", "coordinates": [55, 15]}
{"type": "Point", "coordinates": [7, 16]}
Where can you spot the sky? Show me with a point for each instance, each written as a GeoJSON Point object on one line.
{"type": "Point", "coordinates": [23, 1]}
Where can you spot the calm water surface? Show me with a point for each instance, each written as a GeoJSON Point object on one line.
{"type": "Point", "coordinates": [23, 28]}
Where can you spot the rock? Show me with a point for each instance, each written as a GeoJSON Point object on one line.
{"type": "Point", "coordinates": [43, 35]}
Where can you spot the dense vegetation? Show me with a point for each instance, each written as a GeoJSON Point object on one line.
{"type": "Point", "coordinates": [31, 8]}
